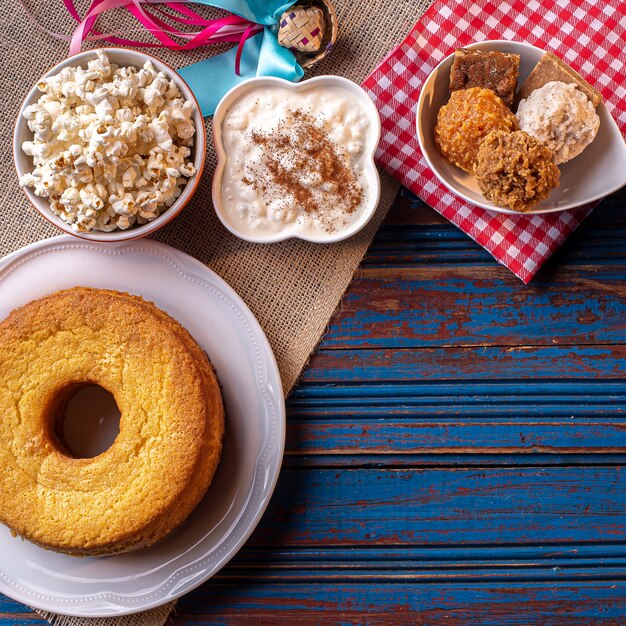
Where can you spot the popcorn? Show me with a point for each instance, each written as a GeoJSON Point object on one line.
{"type": "Point", "coordinates": [111, 144]}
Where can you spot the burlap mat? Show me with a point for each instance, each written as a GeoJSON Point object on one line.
{"type": "Point", "coordinates": [291, 287]}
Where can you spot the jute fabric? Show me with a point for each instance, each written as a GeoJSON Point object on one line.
{"type": "Point", "coordinates": [292, 287]}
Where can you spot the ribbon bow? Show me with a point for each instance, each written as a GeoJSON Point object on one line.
{"type": "Point", "coordinates": [252, 25]}
{"type": "Point", "coordinates": [262, 55]}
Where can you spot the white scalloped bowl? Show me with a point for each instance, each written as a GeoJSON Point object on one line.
{"type": "Point", "coordinates": [597, 172]}
{"type": "Point", "coordinates": [371, 173]}
{"type": "Point", "coordinates": [122, 57]}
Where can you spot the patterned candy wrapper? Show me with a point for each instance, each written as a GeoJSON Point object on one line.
{"type": "Point", "coordinates": [302, 28]}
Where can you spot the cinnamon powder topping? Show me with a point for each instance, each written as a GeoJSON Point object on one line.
{"type": "Point", "coordinates": [300, 160]}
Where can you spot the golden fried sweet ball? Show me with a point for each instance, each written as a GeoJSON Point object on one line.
{"type": "Point", "coordinates": [464, 122]}
{"type": "Point", "coordinates": [515, 170]}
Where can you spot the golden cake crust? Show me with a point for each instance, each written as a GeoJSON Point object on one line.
{"type": "Point", "coordinates": [171, 424]}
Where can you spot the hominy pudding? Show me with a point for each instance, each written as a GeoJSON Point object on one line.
{"type": "Point", "coordinates": [295, 161]}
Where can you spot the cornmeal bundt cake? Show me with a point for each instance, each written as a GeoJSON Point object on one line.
{"type": "Point", "coordinates": [171, 424]}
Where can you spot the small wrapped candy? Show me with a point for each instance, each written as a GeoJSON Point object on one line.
{"type": "Point", "coordinates": [302, 29]}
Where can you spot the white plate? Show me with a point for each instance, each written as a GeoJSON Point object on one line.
{"type": "Point", "coordinates": [255, 428]}
{"type": "Point", "coordinates": [597, 172]}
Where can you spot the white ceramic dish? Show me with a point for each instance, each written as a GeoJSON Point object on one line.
{"type": "Point", "coordinates": [597, 172]}
{"type": "Point", "coordinates": [255, 429]}
{"type": "Point", "coordinates": [361, 99]}
{"type": "Point", "coordinates": [122, 57]}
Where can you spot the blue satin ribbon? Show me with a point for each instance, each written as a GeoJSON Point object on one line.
{"type": "Point", "coordinates": [262, 54]}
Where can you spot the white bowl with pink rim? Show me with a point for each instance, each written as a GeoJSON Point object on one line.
{"type": "Point", "coordinates": [597, 172]}
{"type": "Point", "coordinates": [123, 57]}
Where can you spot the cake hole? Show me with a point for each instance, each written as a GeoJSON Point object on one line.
{"type": "Point", "coordinates": [91, 422]}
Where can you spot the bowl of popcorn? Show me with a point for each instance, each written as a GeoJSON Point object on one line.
{"type": "Point", "coordinates": [110, 144]}
{"type": "Point", "coordinates": [514, 129]}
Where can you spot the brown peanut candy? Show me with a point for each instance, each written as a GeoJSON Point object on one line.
{"type": "Point", "coordinates": [549, 69]}
{"type": "Point", "coordinates": [493, 70]}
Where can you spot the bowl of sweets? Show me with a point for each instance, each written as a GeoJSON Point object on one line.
{"type": "Point", "coordinates": [513, 129]}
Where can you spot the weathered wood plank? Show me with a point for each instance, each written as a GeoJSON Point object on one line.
{"type": "Point", "coordinates": [450, 436]}
{"type": "Point", "coordinates": [429, 399]}
{"type": "Point", "coordinates": [561, 556]}
{"type": "Point", "coordinates": [328, 507]}
{"type": "Point", "coordinates": [402, 246]}
{"type": "Point", "coordinates": [425, 564]}
{"type": "Point", "coordinates": [519, 368]}
{"type": "Point", "coordinates": [404, 402]}
{"type": "Point", "coordinates": [424, 283]}
{"type": "Point", "coordinates": [23, 619]}
{"type": "Point", "coordinates": [13, 613]}
{"type": "Point", "coordinates": [438, 305]}
{"type": "Point", "coordinates": [273, 603]}
{"type": "Point", "coordinates": [475, 460]}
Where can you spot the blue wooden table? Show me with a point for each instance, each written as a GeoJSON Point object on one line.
{"type": "Point", "coordinates": [454, 449]}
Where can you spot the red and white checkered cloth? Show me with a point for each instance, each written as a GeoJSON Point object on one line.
{"type": "Point", "coordinates": [590, 35]}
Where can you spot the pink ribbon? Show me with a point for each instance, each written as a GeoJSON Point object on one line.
{"type": "Point", "coordinates": [229, 29]}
